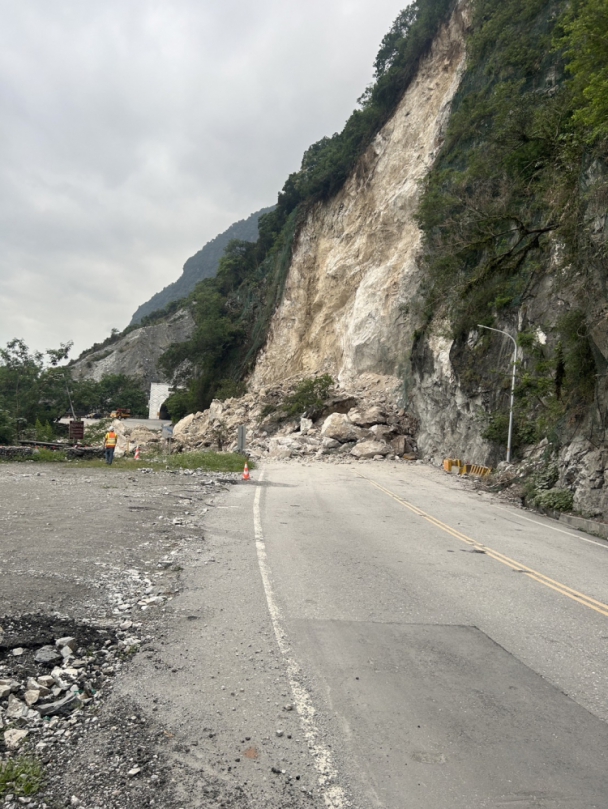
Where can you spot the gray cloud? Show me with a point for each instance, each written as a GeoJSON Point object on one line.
{"type": "Point", "coordinates": [133, 131]}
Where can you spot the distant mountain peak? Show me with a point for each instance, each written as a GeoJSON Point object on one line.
{"type": "Point", "coordinates": [201, 265]}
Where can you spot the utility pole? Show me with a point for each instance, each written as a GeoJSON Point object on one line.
{"type": "Point", "coordinates": [67, 390]}
{"type": "Point", "coordinates": [510, 436]}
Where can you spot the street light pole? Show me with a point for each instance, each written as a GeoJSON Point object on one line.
{"type": "Point", "coordinates": [510, 437]}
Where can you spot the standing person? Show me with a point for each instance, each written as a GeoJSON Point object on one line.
{"type": "Point", "coordinates": [109, 444]}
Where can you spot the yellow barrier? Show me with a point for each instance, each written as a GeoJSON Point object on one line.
{"type": "Point", "coordinates": [477, 470]}
{"type": "Point", "coordinates": [480, 471]}
{"type": "Point", "coordinates": [450, 463]}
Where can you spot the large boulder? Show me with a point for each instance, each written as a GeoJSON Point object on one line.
{"type": "Point", "coordinates": [183, 425]}
{"type": "Point", "coordinates": [402, 446]}
{"type": "Point", "coordinates": [13, 737]}
{"type": "Point", "coordinates": [284, 446]}
{"type": "Point", "coordinates": [191, 431]}
{"type": "Point", "coordinates": [218, 410]}
{"type": "Point", "coordinates": [367, 449]}
{"type": "Point", "coordinates": [330, 443]}
{"type": "Point", "coordinates": [339, 427]}
{"type": "Point", "coordinates": [306, 425]}
{"type": "Point", "coordinates": [364, 417]}
{"type": "Point", "coordinates": [399, 445]}
{"type": "Point", "coordinates": [382, 432]}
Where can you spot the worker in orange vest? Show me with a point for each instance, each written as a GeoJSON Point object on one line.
{"type": "Point", "coordinates": [109, 444]}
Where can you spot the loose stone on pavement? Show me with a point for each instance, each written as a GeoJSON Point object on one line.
{"type": "Point", "coordinates": [99, 593]}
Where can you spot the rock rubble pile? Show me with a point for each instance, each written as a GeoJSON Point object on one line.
{"type": "Point", "coordinates": [131, 436]}
{"type": "Point", "coordinates": [48, 678]}
{"type": "Point", "coordinates": [362, 423]}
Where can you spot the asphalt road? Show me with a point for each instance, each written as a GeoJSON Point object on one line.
{"type": "Point", "coordinates": [444, 650]}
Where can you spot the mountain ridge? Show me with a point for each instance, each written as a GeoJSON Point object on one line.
{"type": "Point", "coordinates": [203, 264]}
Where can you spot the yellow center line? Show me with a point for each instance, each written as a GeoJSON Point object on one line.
{"type": "Point", "coordinates": [563, 589]}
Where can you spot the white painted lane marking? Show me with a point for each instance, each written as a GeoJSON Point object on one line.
{"type": "Point", "coordinates": [553, 528]}
{"type": "Point", "coordinates": [333, 794]}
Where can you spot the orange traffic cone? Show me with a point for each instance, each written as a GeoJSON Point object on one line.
{"type": "Point", "coordinates": [137, 453]}
{"type": "Point", "coordinates": [246, 475]}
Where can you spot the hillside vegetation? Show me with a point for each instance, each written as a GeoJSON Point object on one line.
{"type": "Point", "coordinates": [514, 211]}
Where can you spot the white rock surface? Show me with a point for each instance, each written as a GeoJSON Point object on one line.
{"type": "Point", "coordinates": [13, 737]}
{"type": "Point", "coordinates": [354, 266]}
{"type": "Point", "coordinates": [369, 449]}
{"type": "Point", "coordinates": [305, 425]}
{"type": "Point", "coordinates": [365, 417]}
{"type": "Point", "coordinates": [340, 428]}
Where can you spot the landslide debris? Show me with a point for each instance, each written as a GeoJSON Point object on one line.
{"type": "Point", "coordinates": [360, 422]}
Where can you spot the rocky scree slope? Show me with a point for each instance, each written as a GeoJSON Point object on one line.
{"type": "Point", "coordinates": [137, 353]}
{"type": "Point", "coordinates": [361, 421]}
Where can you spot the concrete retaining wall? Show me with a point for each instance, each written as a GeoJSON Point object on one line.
{"type": "Point", "coordinates": [598, 529]}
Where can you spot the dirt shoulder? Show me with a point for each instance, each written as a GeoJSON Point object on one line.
{"type": "Point", "coordinates": [174, 694]}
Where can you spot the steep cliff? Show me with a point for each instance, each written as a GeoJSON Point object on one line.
{"type": "Point", "coordinates": [354, 267]}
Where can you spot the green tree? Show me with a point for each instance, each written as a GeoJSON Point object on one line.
{"type": "Point", "coordinates": [585, 46]}
{"type": "Point", "coordinates": [7, 428]}
{"type": "Point", "coordinates": [111, 392]}
{"type": "Point", "coordinates": [33, 395]}
{"type": "Point", "coordinates": [20, 372]}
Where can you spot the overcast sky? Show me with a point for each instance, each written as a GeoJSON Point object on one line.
{"type": "Point", "coordinates": [133, 131]}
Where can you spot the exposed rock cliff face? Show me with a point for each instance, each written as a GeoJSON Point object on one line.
{"type": "Point", "coordinates": [354, 268]}
{"type": "Point", "coordinates": [350, 297]}
{"type": "Point", "coordinates": [451, 420]}
{"type": "Point", "coordinates": [137, 353]}
{"type": "Point", "coordinates": [347, 307]}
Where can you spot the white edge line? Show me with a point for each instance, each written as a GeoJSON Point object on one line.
{"type": "Point", "coordinates": [553, 528]}
{"type": "Point", "coordinates": [333, 794]}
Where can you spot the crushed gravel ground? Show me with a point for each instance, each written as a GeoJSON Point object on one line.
{"type": "Point", "coordinates": [170, 691]}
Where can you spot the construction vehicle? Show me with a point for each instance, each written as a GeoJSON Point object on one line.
{"type": "Point", "coordinates": [120, 413]}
